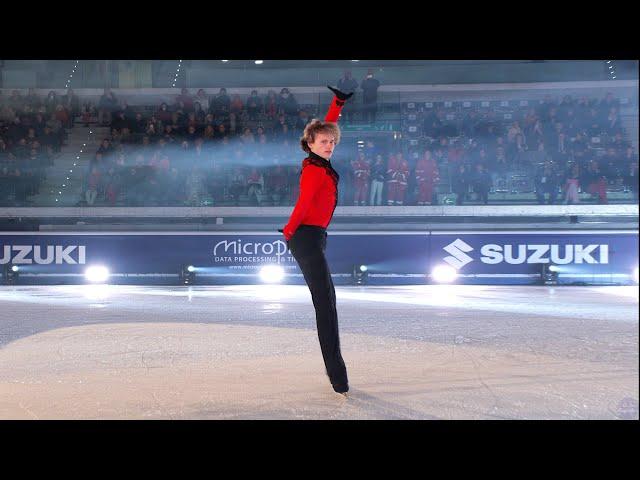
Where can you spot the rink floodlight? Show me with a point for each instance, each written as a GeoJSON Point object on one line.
{"type": "Point", "coordinates": [10, 274]}
{"type": "Point", "coordinates": [549, 274]}
{"type": "Point", "coordinates": [187, 274]}
{"type": "Point", "coordinates": [97, 274]}
{"type": "Point", "coordinates": [360, 274]}
{"type": "Point", "coordinates": [15, 268]}
{"type": "Point", "coordinates": [271, 274]}
{"type": "Point", "coordinates": [635, 275]}
{"type": "Point", "coordinates": [444, 274]}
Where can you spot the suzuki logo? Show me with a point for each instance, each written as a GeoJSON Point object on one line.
{"type": "Point", "coordinates": [458, 258]}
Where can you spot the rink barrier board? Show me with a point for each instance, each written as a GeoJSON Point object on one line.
{"type": "Point", "coordinates": [599, 256]}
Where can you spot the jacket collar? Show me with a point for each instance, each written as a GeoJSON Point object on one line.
{"type": "Point", "coordinates": [322, 162]}
{"type": "Point", "coordinates": [319, 158]}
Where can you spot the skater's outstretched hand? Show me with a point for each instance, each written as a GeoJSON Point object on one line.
{"type": "Point", "coordinates": [341, 95]}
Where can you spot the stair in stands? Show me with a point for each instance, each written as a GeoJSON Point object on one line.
{"type": "Point", "coordinates": [82, 144]}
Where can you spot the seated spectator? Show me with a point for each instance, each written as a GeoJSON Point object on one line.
{"type": "Point", "coordinates": [593, 125]}
{"type": "Point", "coordinates": [119, 121]}
{"type": "Point", "coordinates": [222, 133]}
{"type": "Point", "coordinates": [164, 115]}
{"type": "Point", "coordinates": [105, 149]}
{"type": "Point", "coordinates": [618, 143]}
{"type": "Point", "coordinates": [168, 134]}
{"type": "Point", "coordinates": [261, 136]}
{"type": "Point", "coordinates": [151, 131]}
{"type": "Point", "coordinates": [191, 134]}
{"type": "Point", "coordinates": [247, 136]}
{"type": "Point", "coordinates": [208, 134]}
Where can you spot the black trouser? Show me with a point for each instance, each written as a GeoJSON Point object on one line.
{"type": "Point", "coordinates": [307, 246]}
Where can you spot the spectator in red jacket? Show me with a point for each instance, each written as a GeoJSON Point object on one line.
{"type": "Point", "coordinates": [236, 105]}
{"type": "Point", "coordinates": [398, 176]}
{"type": "Point", "coordinates": [361, 175]}
{"type": "Point", "coordinates": [426, 176]}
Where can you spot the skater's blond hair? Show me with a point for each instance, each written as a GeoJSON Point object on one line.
{"type": "Point", "coordinates": [317, 126]}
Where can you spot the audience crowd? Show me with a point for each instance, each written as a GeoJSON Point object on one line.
{"type": "Point", "coordinates": [232, 150]}
{"type": "Point", "coordinates": [32, 132]}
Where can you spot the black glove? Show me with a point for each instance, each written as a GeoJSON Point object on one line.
{"type": "Point", "coordinates": [286, 241]}
{"type": "Point", "coordinates": [341, 95]}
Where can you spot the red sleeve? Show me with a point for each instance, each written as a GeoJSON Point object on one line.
{"type": "Point", "coordinates": [334, 110]}
{"type": "Point", "coordinates": [310, 182]}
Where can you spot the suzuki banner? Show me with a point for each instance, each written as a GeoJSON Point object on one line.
{"type": "Point", "coordinates": [517, 257]}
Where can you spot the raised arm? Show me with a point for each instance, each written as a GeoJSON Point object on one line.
{"type": "Point", "coordinates": [337, 103]}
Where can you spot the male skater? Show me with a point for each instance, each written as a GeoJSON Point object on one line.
{"type": "Point", "coordinates": [306, 233]}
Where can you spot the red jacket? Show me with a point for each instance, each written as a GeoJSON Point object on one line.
{"type": "Point", "coordinates": [426, 170]}
{"type": "Point", "coordinates": [318, 187]}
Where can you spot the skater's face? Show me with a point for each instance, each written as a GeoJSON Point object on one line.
{"type": "Point", "coordinates": [323, 145]}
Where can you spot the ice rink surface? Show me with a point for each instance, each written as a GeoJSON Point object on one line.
{"type": "Point", "coordinates": [251, 352]}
